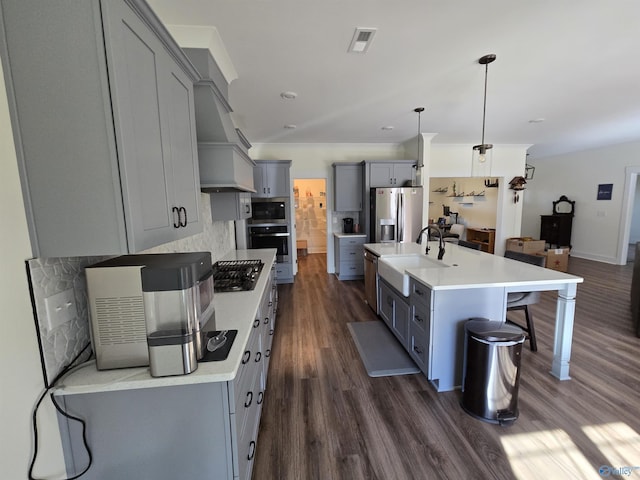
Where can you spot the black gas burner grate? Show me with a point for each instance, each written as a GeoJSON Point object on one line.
{"type": "Point", "coordinates": [236, 275]}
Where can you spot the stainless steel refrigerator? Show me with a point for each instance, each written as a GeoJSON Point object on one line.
{"type": "Point", "coordinates": [396, 214]}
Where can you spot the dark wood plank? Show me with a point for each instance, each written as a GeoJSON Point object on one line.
{"type": "Point", "coordinates": [324, 418]}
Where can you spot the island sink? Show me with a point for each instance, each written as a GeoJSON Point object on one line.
{"type": "Point", "coordinates": [394, 269]}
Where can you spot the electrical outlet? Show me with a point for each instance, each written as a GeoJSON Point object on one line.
{"type": "Point", "coordinates": [61, 308]}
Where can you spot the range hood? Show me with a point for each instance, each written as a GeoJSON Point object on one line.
{"type": "Point", "coordinates": [222, 148]}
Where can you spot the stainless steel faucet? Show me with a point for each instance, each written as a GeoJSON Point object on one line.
{"type": "Point", "coordinates": [428, 229]}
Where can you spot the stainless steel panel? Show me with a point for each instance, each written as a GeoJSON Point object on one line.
{"type": "Point", "coordinates": [396, 214]}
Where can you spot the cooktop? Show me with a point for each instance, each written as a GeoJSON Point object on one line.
{"type": "Point", "coordinates": [236, 275]}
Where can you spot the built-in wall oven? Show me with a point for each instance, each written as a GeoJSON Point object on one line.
{"type": "Point", "coordinates": [269, 210]}
{"type": "Point", "coordinates": [271, 236]}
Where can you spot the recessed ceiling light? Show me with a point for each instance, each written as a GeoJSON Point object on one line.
{"type": "Point", "coordinates": [291, 126]}
{"type": "Point", "coordinates": [387, 127]}
{"type": "Point", "coordinates": [536, 120]}
{"type": "Point", "coordinates": [289, 95]}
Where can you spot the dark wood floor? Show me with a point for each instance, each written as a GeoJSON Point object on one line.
{"type": "Point", "coordinates": [324, 418]}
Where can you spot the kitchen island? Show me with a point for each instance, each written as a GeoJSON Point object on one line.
{"type": "Point", "coordinates": [466, 283]}
{"type": "Point", "coordinates": [200, 425]}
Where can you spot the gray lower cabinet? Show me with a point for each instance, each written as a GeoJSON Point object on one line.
{"type": "Point", "coordinates": [349, 256]}
{"type": "Point", "coordinates": [284, 273]}
{"type": "Point", "coordinates": [203, 430]}
{"type": "Point", "coordinates": [420, 308]}
{"type": "Point", "coordinates": [104, 126]}
{"type": "Point", "coordinates": [394, 310]}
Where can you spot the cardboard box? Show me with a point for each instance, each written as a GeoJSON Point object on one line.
{"type": "Point", "coordinates": [525, 245]}
{"type": "Point", "coordinates": [557, 259]}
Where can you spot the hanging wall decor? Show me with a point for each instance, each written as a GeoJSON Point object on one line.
{"type": "Point", "coordinates": [605, 191]}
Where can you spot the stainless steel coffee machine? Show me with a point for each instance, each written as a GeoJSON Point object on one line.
{"type": "Point", "coordinates": [132, 297]}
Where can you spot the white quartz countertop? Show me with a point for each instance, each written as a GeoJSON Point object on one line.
{"type": "Point", "coordinates": [467, 268]}
{"type": "Point", "coordinates": [233, 310]}
{"type": "Point", "coordinates": [346, 235]}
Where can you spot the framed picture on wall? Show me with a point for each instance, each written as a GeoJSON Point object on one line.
{"type": "Point", "coordinates": [604, 191]}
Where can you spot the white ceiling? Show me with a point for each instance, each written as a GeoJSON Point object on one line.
{"type": "Point", "coordinates": [575, 63]}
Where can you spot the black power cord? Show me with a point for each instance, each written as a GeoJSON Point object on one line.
{"type": "Point", "coordinates": [62, 412]}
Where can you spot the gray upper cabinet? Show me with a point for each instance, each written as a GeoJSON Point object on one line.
{"type": "Point", "coordinates": [390, 174]}
{"type": "Point", "coordinates": [348, 187]}
{"type": "Point", "coordinates": [230, 205]}
{"type": "Point", "coordinates": [104, 124]}
{"type": "Point", "coordinates": [271, 178]}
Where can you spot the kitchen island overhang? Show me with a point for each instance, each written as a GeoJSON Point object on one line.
{"type": "Point", "coordinates": [465, 269]}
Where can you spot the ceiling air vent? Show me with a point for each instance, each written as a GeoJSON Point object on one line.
{"type": "Point", "coordinates": [362, 38]}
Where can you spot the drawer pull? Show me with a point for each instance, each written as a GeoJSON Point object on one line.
{"type": "Point", "coordinates": [271, 332]}
{"type": "Point", "coordinates": [256, 323]}
{"type": "Point", "coordinates": [266, 320]}
{"type": "Point", "coordinates": [252, 450]}
{"type": "Point", "coordinates": [260, 397]}
{"type": "Point", "coordinates": [417, 318]}
{"type": "Point", "coordinates": [246, 357]}
{"type": "Point", "coordinates": [419, 292]}
{"type": "Point", "coordinates": [418, 350]}
{"type": "Point", "coordinates": [268, 353]}
{"type": "Point", "coordinates": [258, 356]}
{"type": "Point", "coordinates": [249, 400]}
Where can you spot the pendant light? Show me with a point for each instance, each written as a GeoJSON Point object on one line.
{"type": "Point", "coordinates": [481, 158]}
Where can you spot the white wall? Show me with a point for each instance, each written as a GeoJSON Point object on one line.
{"type": "Point", "coordinates": [597, 226]}
{"type": "Point", "coordinates": [21, 373]}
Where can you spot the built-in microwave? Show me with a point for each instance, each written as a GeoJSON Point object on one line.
{"type": "Point", "coordinates": [269, 210]}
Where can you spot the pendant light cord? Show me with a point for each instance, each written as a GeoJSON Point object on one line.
{"type": "Point", "coordinates": [484, 107]}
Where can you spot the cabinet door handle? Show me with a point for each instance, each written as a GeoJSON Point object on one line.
{"type": "Point", "coordinates": [419, 292]}
{"type": "Point", "coordinates": [252, 450]}
{"type": "Point", "coordinates": [249, 400]}
{"type": "Point", "coordinates": [184, 210]}
{"type": "Point", "coordinates": [176, 212]}
{"type": "Point", "coordinates": [418, 350]}
{"type": "Point", "coordinates": [268, 353]}
{"type": "Point", "coordinates": [266, 320]}
{"type": "Point", "coordinates": [269, 189]}
{"type": "Point", "coordinates": [260, 397]}
{"type": "Point", "coordinates": [271, 332]}
{"type": "Point", "coordinates": [256, 323]}
{"type": "Point", "coordinates": [246, 356]}
{"type": "Point", "coordinates": [258, 357]}
{"type": "Point", "coordinates": [247, 209]}
{"type": "Point", "coordinates": [417, 318]}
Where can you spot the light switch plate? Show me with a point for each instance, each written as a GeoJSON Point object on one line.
{"type": "Point", "coordinates": [61, 308]}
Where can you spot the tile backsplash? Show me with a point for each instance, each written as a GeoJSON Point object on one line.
{"type": "Point", "coordinates": [49, 276]}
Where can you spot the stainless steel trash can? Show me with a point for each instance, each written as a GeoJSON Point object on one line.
{"type": "Point", "coordinates": [491, 375]}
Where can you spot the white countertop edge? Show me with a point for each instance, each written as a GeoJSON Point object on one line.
{"type": "Point", "coordinates": [234, 311]}
{"type": "Point", "coordinates": [349, 235]}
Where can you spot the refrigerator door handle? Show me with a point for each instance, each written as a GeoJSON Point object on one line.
{"type": "Point", "coordinates": [400, 218]}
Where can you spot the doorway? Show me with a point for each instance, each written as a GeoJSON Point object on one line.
{"type": "Point", "coordinates": [630, 216]}
{"type": "Point", "coordinates": [310, 205]}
